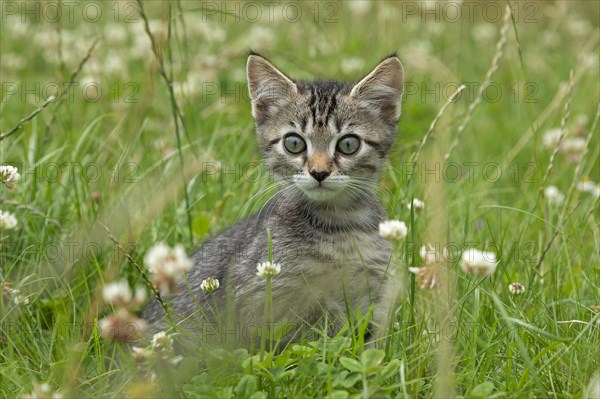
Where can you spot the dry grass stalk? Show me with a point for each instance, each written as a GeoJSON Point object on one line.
{"type": "Point", "coordinates": [488, 77]}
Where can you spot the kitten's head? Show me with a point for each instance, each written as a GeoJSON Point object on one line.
{"type": "Point", "coordinates": [326, 138]}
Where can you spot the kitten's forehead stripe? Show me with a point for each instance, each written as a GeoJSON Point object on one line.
{"type": "Point", "coordinates": [338, 124]}
{"type": "Point", "coordinates": [311, 104]}
{"type": "Point", "coordinates": [303, 123]}
{"type": "Point", "coordinates": [332, 106]}
{"type": "Point", "coordinates": [323, 100]}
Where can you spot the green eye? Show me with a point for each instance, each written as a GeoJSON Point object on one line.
{"type": "Point", "coordinates": [294, 144]}
{"type": "Point", "coordinates": [348, 145]}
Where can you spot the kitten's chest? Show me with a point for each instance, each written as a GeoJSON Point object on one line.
{"type": "Point", "coordinates": [336, 269]}
{"type": "Point", "coordinates": [348, 255]}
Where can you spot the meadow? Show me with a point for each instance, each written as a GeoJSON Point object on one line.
{"type": "Point", "coordinates": [131, 126]}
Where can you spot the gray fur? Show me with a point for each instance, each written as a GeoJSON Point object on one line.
{"type": "Point", "coordinates": [326, 239]}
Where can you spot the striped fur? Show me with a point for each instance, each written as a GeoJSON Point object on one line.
{"type": "Point", "coordinates": [324, 233]}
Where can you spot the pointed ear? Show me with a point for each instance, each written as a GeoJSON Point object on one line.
{"type": "Point", "coordinates": [383, 88]}
{"type": "Point", "coordinates": [269, 88]}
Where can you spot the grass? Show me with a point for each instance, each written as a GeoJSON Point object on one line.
{"type": "Point", "coordinates": [107, 154]}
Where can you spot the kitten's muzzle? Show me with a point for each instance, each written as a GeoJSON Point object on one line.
{"type": "Point", "coordinates": [320, 166]}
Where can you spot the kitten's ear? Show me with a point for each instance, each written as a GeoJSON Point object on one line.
{"type": "Point", "coordinates": [383, 88]}
{"type": "Point", "coordinates": [269, 88]}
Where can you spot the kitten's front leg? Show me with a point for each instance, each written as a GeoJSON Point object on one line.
{"type": "Point", "coordinates": [384, 310]}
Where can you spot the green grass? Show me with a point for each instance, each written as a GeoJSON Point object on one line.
{"type": "Point", "coordinates": [121, 144]}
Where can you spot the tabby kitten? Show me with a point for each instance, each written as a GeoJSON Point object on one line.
{"type": "Point", "coordinates": [326, 142]}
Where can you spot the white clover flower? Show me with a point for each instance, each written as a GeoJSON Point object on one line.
{"type": "Point", "coordinates": [588, 186]}
{"type": "Point", "coordinates": [168, 266]}
{"type": "Point", "coordinates": [117, 293]}
{"type": "Point", "coordinates": [122, 326]}
{"type": "Point", "coordinates": [9, 174]}
{"type": "Point", "coordinates": [161, 341]}
{"type": "Point", "coordinates": [417, 203]}
{"type": "Point", "coordinates": [573, 144]}
{"type": "Point", "coordinates": [155, 256]}
{"type": "Point", "coordinates": [479, 263]}
{"type": "Point", "coordinates": [553, 195]}
{"type": "Point", "coordinates": [573, 148]}
{"type": "Point", "coordinates": [268, 269]}
{"type": "Point", "coordinates": [169, 261]}
{"type": "Point", "coordinates": [393, 230]}
{"type": "Point", "coordinates": [552, 137]}
{"type": "Point", "coordinates": [7, 293]}
{"type": "Point", "coordinates": [516, 288]}
{"type": "Point", "coordinates": [8, 221]}
{"type": "Point", "coordinates": [141, 354]}
{"type": "Point", "coordinates": [21, 299]}
{"type": "Point", "coordinates": [209, 285]}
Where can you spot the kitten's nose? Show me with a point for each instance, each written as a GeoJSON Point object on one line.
{"type": "Point", "coordinates": [320, 176]}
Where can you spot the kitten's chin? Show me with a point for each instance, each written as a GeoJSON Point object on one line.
{"type": "Point", "coordinates": [331, 190]}
{"type": "Point", "coordinates": [322, 194]}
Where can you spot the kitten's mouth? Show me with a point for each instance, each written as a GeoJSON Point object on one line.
{"type": "Point", "coordinates": [327, 190]}
{"type": "Point", "coordinates": [320, 192]}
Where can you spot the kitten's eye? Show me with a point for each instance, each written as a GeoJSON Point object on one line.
{"type": "Point", "coordinates": [294, 144]}
{"type": "Point", "coordinates": [348, 145]}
